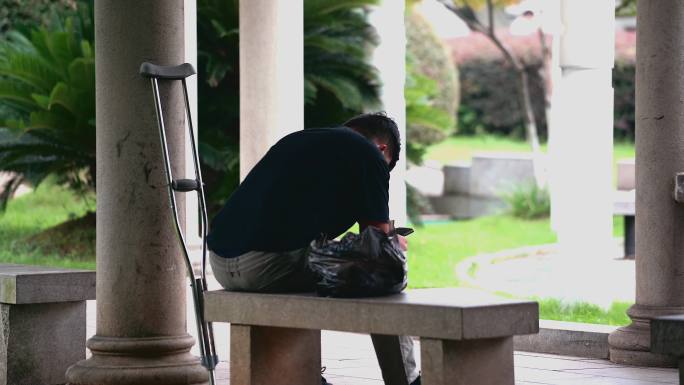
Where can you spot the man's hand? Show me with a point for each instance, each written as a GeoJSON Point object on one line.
{"type": "Point", "coordinates": [403, 242]}
{"type": "Point", "coordinates": [385, 226]}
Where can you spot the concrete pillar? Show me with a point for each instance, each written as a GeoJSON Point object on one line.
{"type": "Point", "coordinates": [389, 58]}
{"type": "Point", "coordinates": [271, 75]}
{"type": "Point", "coordinates": [659, 155]}
{"type": "Point", "coordinates": [581, 139]}
{"type": "Point", "coordinates": [141, 333]}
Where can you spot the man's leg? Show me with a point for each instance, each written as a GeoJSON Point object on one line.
{"type": "Point", "coordinates": [260, 271]}
{"type": "Point", "coordinates": [396, 358]}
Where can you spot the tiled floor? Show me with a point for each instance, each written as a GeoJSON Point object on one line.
{"type": "Point", "coordinates": [349, 360]}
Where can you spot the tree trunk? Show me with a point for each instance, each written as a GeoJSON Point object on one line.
{"type": "Point", "coordinates": [528, 111]}
{"type": "Point", "coordinates": [530, 126]}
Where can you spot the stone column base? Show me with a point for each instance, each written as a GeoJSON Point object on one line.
{"type": "Point", "coordinates": [631, 345]}
{"type": "Point", "coordinates": [139, 361]}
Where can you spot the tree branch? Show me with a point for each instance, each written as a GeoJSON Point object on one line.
{"type": "Point", "coordinates": [490, 16]}
{"type": "Point", "coordinates": [466, 14]}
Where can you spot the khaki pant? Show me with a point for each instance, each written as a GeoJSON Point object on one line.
{"type": "Point", "coordinates": [269, 272]}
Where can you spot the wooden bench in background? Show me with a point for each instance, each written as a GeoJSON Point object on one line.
{"type": "Point", "coordinates": [42, 322]}
{"type": "Point", "coordinates": [466, 337]}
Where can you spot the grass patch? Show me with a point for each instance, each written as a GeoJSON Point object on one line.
{"type": "Point", "coordinates": [462, 148]}
{"type": "Point", "coordinates": [436, 248]}
{"type": "Point", "coordinates": [554, 309]}
{"type": "Point", "coordinates": [29, 215]}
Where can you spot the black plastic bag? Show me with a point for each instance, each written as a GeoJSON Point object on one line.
{"type": "Point", "coordinates": [359, 265]}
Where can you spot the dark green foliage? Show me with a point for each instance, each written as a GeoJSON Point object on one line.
{"type": "Point", "coordinates": [431, 90]}
{"type": "Point", "coordinates": [488, 104]}
{"type": "Point", "coordinates": [624, 87]}
{"type": "Point", "coordinates": [25, 14]}
{"type": "Point", "coordinates": [529, 201]}
{"type": "Point", "coordinates": [219, 96]}
{"type": "Point", "coordinates": [47, 87]}
{"type": "Point", "coordinates": [339, 82]}
{"type": "Point", "coordinates": [427, 124]}
{"type": "Point", "coordinates": [489, 101]}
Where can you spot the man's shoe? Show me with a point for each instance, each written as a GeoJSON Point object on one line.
{"type": "Point", "coordinates": [416, 381]}
{"type": "Point", "coordinates": [325, 382]}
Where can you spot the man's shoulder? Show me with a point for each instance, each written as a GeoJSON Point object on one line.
{"type": "Point", "coordinates": [330, 133]}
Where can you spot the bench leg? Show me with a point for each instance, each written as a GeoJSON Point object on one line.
{"type": "Point", "coordinates": [261, 355]}
{"type": "Point", "coordinates": [474, 362]}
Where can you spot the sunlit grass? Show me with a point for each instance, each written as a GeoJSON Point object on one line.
{"type": "Point", "coordinates": [27, 215]}
{"type": "Point", "coordinates": [554, 309]}
{"type": "Point", "coordinates": [434, 249]}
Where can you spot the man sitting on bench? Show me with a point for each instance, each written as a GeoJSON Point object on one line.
{"type": "Point", "coordinates": [312, 182]}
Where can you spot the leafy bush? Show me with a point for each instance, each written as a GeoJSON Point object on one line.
{"type": "Point", "coordinates": [431, 89]}
{"type": "Point", "coordinates": [487, 85]}
{"type": "Point", "coordinates": [47, 87]}
{"type": "Point", "coordinates": [426, 123]}
{"type": "Point", "coordinates": [624, 102]}
{"type": "Point", "coordinates": [488, 99]}
{"type": "Point", "coordinates": [430, 57]}
{"type": "Point", "coordinates": [21, 14]}
{"type": "Point", "coordinates": [528, 201]}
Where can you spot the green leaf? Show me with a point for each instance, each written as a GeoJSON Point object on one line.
{"type": "Point", "coordinates": [63, 96]}
{"type": "Point", "coordinates": [29, 69]}
{"type": "Point", "coordinates": [344, 89]}
{"type": "Point", "coordinates": [16, 96]}
{"type": "Point", "coordinates": [42, 100]}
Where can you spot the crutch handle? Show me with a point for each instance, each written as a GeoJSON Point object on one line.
{"type": "Point", "coordinates": [178, 72]}
{"type": "Point", "coordinates": [185, 185]}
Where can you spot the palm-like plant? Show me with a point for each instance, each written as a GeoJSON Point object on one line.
{"type": "Point", "coordinates": [339, 81]}
{"type": "Point", "coordinates": [47, 89]}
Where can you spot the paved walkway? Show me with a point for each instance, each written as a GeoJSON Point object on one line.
{"type": "Point", "coordinates": [350, 360]}
{"type": "Point", "coordinates": [546, 272]}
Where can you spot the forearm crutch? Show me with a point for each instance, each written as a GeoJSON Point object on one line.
{"type": "Point", "coordinates": [205, 331]}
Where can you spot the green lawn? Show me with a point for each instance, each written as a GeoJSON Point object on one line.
{"type": "Point", "coordinates": [462, 148]}
{"type": "Point", "coordinates": [553, 309]}
{"type": "Point", "coordinates": [29, 214]}
{"type": "Point", "coordinates": [435, 249]}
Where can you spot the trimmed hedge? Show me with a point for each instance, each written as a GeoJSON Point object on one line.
{"type": "Point", "coordinates": [489, 103]}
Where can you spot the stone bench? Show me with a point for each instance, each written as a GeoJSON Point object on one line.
{"type": "Point", "coordinates": [466, 337]}
{"type": "Point", "coordinates": [667, 337]}
{"type": "Point", "coordinates": [42, 322]}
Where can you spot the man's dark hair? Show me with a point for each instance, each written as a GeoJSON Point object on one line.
{"type": "Point", "coordinates": [378, 126]}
